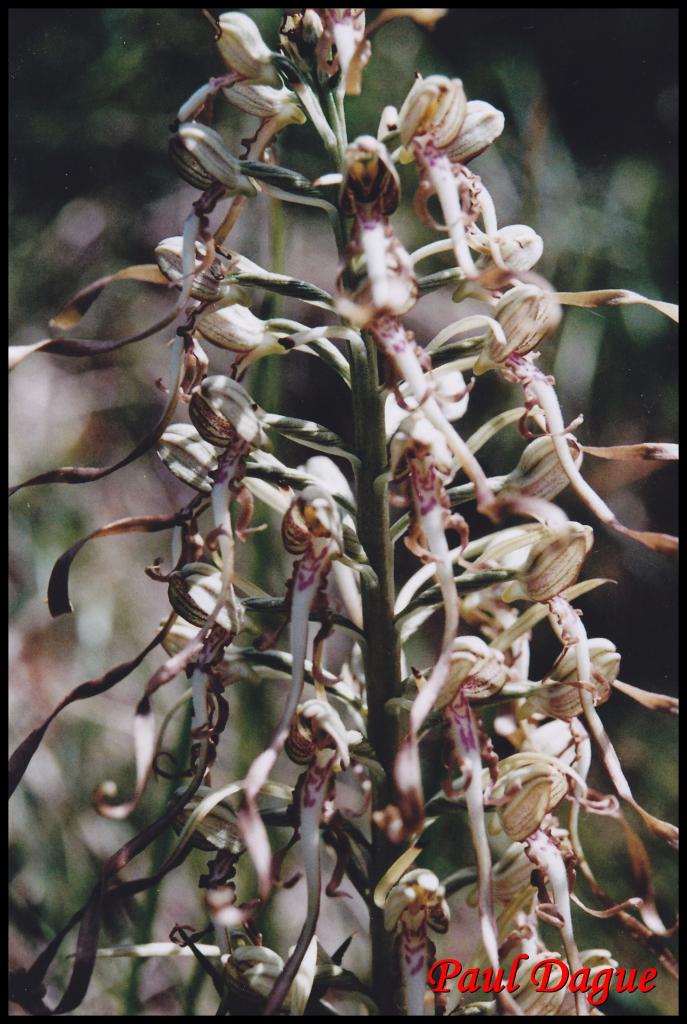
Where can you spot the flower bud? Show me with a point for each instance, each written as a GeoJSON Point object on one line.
{"type": "Point", "coordinates": [518, 246]}
{"type": "Point", "coordinates": [537, 787]}
{"type": "Point", "coordinates": [527, 314]}
{"type": "Point", "coordinates": [193, 593]}
{"type": "Point", "coordinates": [435, 106]}
{"type": "Point", "coordinates": [554, 563]}
{"type": "Point", "coordinates": [222, 411]}
{"type": "Point", "coordinates": [482, 125]}
{"type": "Point", "coordinates": [201, 158]}
{"type": "Point", "coordinates": [216, 831]}
{"type": "Point", "coordinates": [475, 668]}
{"type": "Point", "coordinates": [236, 329]}
{"type": "Point", "coordinates": [188, 456]}
{"type": "Point", "coordinates": [264, 102]}
{"type": "Point", "coordinates": [243, 49]}
{"type": "Point", "coordinates": [418, 894]}
{"type": "Point", "coordinates": [369, 178]}
{"type": "Point", "coordinates": [539, 473]}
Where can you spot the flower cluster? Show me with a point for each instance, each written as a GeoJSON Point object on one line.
{"type": "Point", "coordinates": [359, 727]}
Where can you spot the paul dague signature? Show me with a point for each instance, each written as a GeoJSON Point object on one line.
{"type": "Point", "coordinates": [596, 985]}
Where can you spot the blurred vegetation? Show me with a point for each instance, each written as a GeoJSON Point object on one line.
{"type": "Point", "coordinates": [588, 158]}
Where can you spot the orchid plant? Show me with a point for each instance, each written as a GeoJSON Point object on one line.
{"type": "Point", "coordinates": [359, 722]}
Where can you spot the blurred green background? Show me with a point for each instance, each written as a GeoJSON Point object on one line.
{"type": "Point", "coordinates": [588, 158]}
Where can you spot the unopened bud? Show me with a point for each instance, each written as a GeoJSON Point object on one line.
{"type": "Point", "coordinates": [537, 786]}
{"type": "Point", "coordinates": [436, 107]}
{"type": "Point", "coordinates": [236, 329]}
{"type": "Point", "coordinates": [539, 473]}
{"type": "Point", "coordinates": [554, 563]}
{"type": "Point", "coordinates": [201, 158]}
{"type": "Point", "coordinates": [243, 49]}
{"type": "Point", "coordinates": [482, 125]}
{"type": "Point", "coordinates": [222, 411]}
{"type": "Point", "coordinates": [188, 456]}
{"type": "Point", "coordinates": [518, 246]}
{"type": "Point", "coordinates": [263, 101]}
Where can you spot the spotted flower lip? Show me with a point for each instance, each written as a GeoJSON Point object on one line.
{"type": "Point", "coordinates": [418, 892]}
{"type": "Point", "coordinates": [369, 178]}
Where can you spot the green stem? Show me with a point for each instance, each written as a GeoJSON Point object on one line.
{"type": "Point", "coordinates": [382, 651]}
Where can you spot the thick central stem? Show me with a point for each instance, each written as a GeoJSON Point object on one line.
{"type": "Point", "coordinates": [382, 654]}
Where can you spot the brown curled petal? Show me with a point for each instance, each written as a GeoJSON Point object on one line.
{"type": "Point", "coordinates": [58, 586]}
{"type": "Point", "coordinates": [75, 308]}
{"type": "Point", "coordinates": [641, 870]}
{"type": "Point", "coordinates": [629, 904]}
{"type": "Point", "coordinates": [617, 297]}
{"type": "Point", "coordinates": [144, 745]}
{"type": "Point", "coordinates": [664, 542]}
{"type": "Point", "coordinates": [624, 452]}
{"type": "Point", "coordinates": [549, 914]}
{"type": "Point", "coordinates": [26, 986]}
{"type": "Point", "coordinates": [653, 701]}
{"type": "Point", "coordinates": [86, 474]}
{"type": "Point", "coordinates": [21, 758]}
